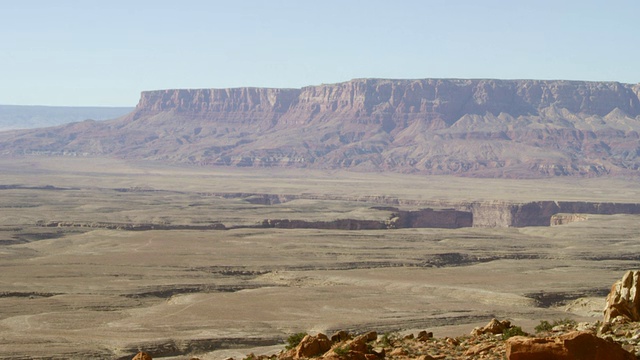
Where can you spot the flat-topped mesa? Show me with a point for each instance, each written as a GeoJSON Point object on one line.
{"type": "Point", "coordinates": [201, 101]}
{"type": "Point", "coordinates": [479, 128]}
{"type": "Point", "coordinates": [396, 102]}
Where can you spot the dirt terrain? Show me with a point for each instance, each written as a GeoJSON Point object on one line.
{"type": "Point", "coordinates": [186, 288]}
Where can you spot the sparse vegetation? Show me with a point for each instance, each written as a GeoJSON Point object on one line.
{"type": "Point", "coordinates": [294, 340]}
{"type": "Point", "coordinates": [513, 331]}
{"type": "Point", "coordinates": [342, 350]}
{"type": "Point", "coordinates": [546, 326]}
{"type": "Point", "coordinates": [389, 338]}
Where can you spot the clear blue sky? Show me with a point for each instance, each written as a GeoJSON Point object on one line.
{"type": "Point", "coordinates": [85, 52]}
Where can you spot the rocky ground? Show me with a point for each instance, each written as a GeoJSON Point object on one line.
{"type": "Point", "coordinates": [497, 340]}
{"type": "Point", "coordinates": [616, 337]}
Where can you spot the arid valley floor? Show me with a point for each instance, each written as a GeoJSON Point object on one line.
{"type": "Point", "coordinates": [102, 258]}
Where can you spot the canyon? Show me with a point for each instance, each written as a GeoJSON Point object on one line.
{"type": "Point", "coordinates": [103, 258]}
{"type": "Point", "coordinates": [464, 127]}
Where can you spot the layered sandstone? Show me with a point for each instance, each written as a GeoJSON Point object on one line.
{"type": "Point", "coordinates": [574, 345]}
{"type": "Point", "coordinates": [493, 128]}
{"type": "Point", "coordinates": [624, 299]}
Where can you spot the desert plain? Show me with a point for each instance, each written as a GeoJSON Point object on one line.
{"type": "Point", "coordinates": [101, 258]}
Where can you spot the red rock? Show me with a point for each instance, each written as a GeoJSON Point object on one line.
{"type": "Point", "coordinates": [477, 349]}
{"type": "Point", "coordinates": [398, 352]}
{"type": "Point", "coordinates": [312, 346]}
{"type": "Point", "coordinates": [424, 335]}
{"type": "Point", "coordinates": [142, 356]}
{"type": "Point", "coordinates": [425, 357]}
{"type": "Point", "coordinates": [572, 346]}
{"type": "Point", "coordinates": [340, 336]}
{"type": "Point", "coordinates": [494, 326]}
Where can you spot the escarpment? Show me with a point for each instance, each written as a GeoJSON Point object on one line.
{"type": "Point", "coordinates": [482, 128]}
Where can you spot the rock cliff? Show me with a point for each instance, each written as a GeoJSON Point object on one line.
{"type": "Point", "coordinates": [490, 128]}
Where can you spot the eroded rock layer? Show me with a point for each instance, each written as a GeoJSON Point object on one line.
{"type": "Point", "coordinates": [491, 128]}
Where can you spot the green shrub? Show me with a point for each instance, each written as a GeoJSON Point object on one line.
{"type": "Point", "coordinates": [566, 322]}
{"type": "Point", "coordinates": [342, 350]}
{"type": "Point", "coordinates": [513, 331]}
{"type": "Point", "coordinates": [545, 326]}
{"type": "Point", "coordinates": [294, 340]}
{"type": "Point", "coordinates": [389, 338]}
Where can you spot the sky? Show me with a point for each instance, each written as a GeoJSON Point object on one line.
{"type": "Point", "coordinates": [104, 53]}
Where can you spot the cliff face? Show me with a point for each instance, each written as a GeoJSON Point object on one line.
{"type": "Point", "coordinates": [394, 103]}
{"type": "Point", "coordinates": [542, 213]}
{"type": "Point", "coordinates": [492, 128]}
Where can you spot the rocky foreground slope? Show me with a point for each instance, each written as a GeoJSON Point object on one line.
{"type": "Point", "coordinates": [616, 338]}
{"type": "Point", "coordinates": [490, 128]}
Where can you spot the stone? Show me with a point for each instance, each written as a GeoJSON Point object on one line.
{"type": "Point", "coordinates": [398, 352]}
{"type": "Point", "coordinates": [424, 335]}
{"type": "Point", "coordinates": [425, 357]}
{"type": "Point", "coordinates": [452, 341]}
{"type": "Point", "coordinates": [371, 335]}
{"type": "Point", "coordinates": [359, 344]}
{"type": "Point", "coordinates": [312, 346]}
{"type": "Point", "coordinates": [340, 336]}
{"type": "Point", "coordinates": [624, 299]}
{"type": "Point", "coordinates": [577, 345]}
{"type": "Point", "coordinates": [586, 326]}
{"type": "Point", "coordinates": [477, 349]}
{"type": "Point", "coordinates": [494, 326]}
{"type": "Point", "coordinates": [142, 356]}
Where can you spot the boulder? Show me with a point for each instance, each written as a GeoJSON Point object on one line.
{"type": "Point", "coordinates": [311, 346]}
{"type": "Point", "coordinates": [577, 345]}
{"type": "Point", "coordinates": [398, 352]}
{"type": "Point", "coordinates": [424, 335]}
{"type": "Point", "coordinates": [494, 326]}
{"type": "Point", "coordinates": [142, 356]}
{"type": "Point", "coordinates": [478, 349]}
{"type": "Point", "coordinates": [624, 298]}
{"type": "Point", "coordinates": [340, 336]}
{"type": "Point", "coordinates": [370, 336]}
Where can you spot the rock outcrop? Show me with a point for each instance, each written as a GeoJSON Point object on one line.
{"type": "Point", "coordinates": [400, 219]}
{"type": "Point", "coordinates": [311, 346]}
{"type": "Point", "coordinates": [624, 299]}
{"type": "Point", "coordinates": [572, 346]}
{"type": "Point", "coordinates": [539, 213]}
{"type": "Point", "coordinates": [494, 326]}
{"type": "Point", "coordinates": [341, 346]}
{"type": "Point", "coordinates": [142, 356]}
{"type": "Point", "coordinates": [489, 128]}
{"type": "Point", "coordinates": [563, 219]}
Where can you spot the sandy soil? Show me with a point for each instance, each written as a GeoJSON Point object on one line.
{"type": "Point", "coordinates": [81, 292]}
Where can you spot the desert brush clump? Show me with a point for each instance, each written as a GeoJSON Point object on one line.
{"type": "Point", "coordinates": [342, 350]}
{"type": "Point", "coordinates": [389, 338]}
{"type": "Point", "coordinates": [513, 331]}
{"type": "Point", "coordinates": [546, 326]}
{"type": "Point", "coordinates": [295, 339]}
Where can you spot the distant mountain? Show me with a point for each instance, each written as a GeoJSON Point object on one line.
{"type": "Point", "coordinates": [488, 128]}
{"type": "Point", "coordinates": [28, 117]}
